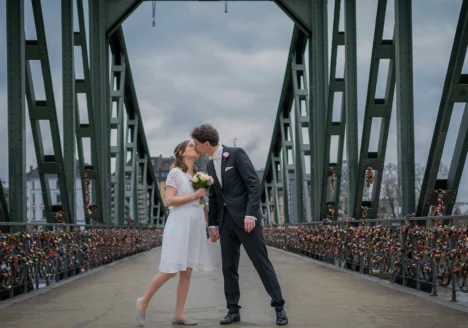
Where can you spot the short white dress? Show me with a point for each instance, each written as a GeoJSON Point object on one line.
{"type": "Point", "coordinates": [184, 242]}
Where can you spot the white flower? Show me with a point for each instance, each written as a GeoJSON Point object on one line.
{"type": "Point", "coordinates": [195, 179]}
{"type": "Point", "coordinates": [203, 176]}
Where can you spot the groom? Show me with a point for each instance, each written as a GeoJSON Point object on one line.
{"type": "Point", "coordinates": [233, 212]}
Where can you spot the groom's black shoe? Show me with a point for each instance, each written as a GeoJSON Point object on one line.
{"type": "Point", "coordinates": [281, 318]}
{"type": "Point", "coordinates": [231, 317]}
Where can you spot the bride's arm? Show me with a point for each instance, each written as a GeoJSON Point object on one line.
{"type": "Point", "coordinates": [173, 182]}
{"type": "Point", "coordinates": [172, 200]}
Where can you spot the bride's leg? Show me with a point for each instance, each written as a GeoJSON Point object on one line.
{"type": "Point", "coordinates": [182, 292]}
{"type": "Point", "coordinates": [160, 279]}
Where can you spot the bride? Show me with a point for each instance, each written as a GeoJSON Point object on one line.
{"type": "Point", "coordinates": [184, 246]}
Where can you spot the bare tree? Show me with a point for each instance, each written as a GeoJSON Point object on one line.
{"type": "Point", "coordinates": [390, 194]}
{"type": "Point", "coordinates": [457, 210]}
{"type": "Point", "coordinates": [419, 176]}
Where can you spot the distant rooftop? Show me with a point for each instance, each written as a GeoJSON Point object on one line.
{"type": "Point", "coordinates": [34, 173]}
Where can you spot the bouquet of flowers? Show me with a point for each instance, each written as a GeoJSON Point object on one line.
{"type": "Point", "coordinates": [201, 180]}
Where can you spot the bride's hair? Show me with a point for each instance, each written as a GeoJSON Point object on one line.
{"type": "Point", "coordinates": [179, 159]}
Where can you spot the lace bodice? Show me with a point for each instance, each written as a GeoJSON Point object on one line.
{"type": "Point", "coordinates": [181, 182]}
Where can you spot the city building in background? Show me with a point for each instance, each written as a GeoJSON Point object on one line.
{"type": "Point", "coordinates": [35, 206]}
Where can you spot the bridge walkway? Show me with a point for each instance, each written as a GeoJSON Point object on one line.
{"type": "Point", "coordinates": [317, 295]}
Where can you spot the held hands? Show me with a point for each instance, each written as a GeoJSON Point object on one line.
{"type": "Point", "coordinates": [214, 235]}
{"type": "Point", "coordinates": [249, 224]}
{"type": "Point", "coordinates": [200, 193]}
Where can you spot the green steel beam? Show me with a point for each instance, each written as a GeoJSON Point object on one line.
{"type": "Point", "coordinates": [267, 203]}
{"type": "Point", "coordinates": [302, 121]}
{"type": "Point", "coordinates": [117, 12]}
{"type": "Point", "coordinates": [331, 196]}
{"type": "Point", "coordinates": [458, 161]}
{"type": "Point", "coordinates": [16, 79]}
{"type": "Point", "coordinates": [376, 108]}
{"type": "Point", "coordinates": [350, 95]}
{"type": "Point", "coordinates": [87, 130]}
{"type": "Point", "coordinates": [273, 169]}
{"type": "Point", "coordinates": [69, 98]}
{"type": "Point", "coordinates": [287, 169]}
{"type": "Point", "coordinates": [131, 147]}
{"type": "Point", "coordinates": [117, 87]}
{"type": "Point", "coordinates": [45, 110]}
{"type": "Point", "coordinates": [317, 101]}
{"type": "Point", "coordinates": [299, 11]}
{"type": "Point", "coordinates": [455, 91]}
{"type": "Point", "coordinates": [405, 103]}
{"type": "Point", "coordinates": [99, 55]}
{"type": "Point", "coordinates": [277, 186]}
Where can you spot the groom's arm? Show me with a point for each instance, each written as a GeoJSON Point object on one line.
{"type": "Point", "coordinates": [213, 217]}
{"type": "Point", "coordinates": [251, 181]}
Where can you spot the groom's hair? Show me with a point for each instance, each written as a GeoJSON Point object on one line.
{"type": "Point", "coordinates": [204, 133]}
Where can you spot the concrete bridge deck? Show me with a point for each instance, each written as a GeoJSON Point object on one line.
{"type": "Point", "coordinates": [317, 296]}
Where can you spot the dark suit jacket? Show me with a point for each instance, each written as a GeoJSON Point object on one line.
{"type": "Point", "coordinates": [240, 191]}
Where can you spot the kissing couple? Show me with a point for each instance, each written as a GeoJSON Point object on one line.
{"type": "Point", "coordinates": [233, 217]}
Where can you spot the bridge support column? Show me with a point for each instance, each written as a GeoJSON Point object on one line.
{"type": "Point", "coordinates": [16, 77]}
{"type": "Point", "coordinates": [100, 92]}
{"type": "Point", "coordinates": [350, 96]}
{"type": "Point", "coordinates": [405, 103]}
{"type": "Point", "coordinates": [69, 103]}
{"type": "Point", "coordinates": [376, 109]}
{"type": "Point", "coordinates": [318, 78]}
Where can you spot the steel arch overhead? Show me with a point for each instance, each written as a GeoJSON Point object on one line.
{"type": "Point", "coordinates": [376, 108]}
{"type": "Point", "coordinates": [16, 77]}
{"type": "Point", "coordinates": [405, 103]}
{"type": "Point", "coordinates": [45, 110]}
{"type": "Point", "coordinates": [334, 128]}
{"type": "Point", "coordinates": [455, 91]}
{"type": "Point", "coordinates": [300, 11]}
{"type": "Point", "coordinates": [88, 173]}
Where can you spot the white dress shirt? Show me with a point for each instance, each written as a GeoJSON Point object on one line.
{"type": "Point", "coordinates": [217, 158]}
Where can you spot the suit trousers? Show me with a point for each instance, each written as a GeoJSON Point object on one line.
{"type": "Point", "coordinates": [231, 237]}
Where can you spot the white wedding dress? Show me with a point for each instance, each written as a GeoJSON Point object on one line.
{"type": "Point", "coordinates": [185, 244]}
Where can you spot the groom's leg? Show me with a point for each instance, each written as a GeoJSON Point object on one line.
{"type": "Point", "coordinates": [254, 245]}
{"type": "Point", "coordinates": [230, 253]}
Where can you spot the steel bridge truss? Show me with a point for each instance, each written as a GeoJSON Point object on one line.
{"type": "Point", "coordinates": [305, 163]}
{"type": "Point", "coordinates": [321, 187]}
{"type": "Point", "coordinates": [105, 190]}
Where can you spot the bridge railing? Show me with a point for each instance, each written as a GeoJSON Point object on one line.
{"type": "Point", "coordinates": [403, 251]}
{"type": "Point", "coordinates": [40, 254]}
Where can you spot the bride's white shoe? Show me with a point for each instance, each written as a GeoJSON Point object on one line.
{"type": "Point", "coordinates": [140, 317]}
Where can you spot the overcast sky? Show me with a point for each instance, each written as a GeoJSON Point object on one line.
{"type": "Point", "coordinates": [200, 64]}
